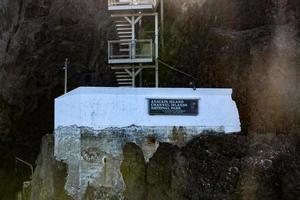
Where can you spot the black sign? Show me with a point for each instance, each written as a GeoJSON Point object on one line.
{"type": "Point", "coordinates": [173, 106]}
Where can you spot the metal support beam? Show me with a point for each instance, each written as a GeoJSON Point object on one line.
{"type": "Point", "coordinates": [127, 19]}
{"type": "Point", "coordinates": [136, 67]}
{"type": "Point", "coordinates": [129, 72]}
{"type": "Point", "coordinates": [135, 15]}
{"type": "Point", "coordinates": [133, 37]}
{"type": "Point", "coordinates": [162, 25]}
{"type": "Point", "coordinates": [156, 74]}
{"type": "Point", "coordinates": [156, 35]}
{"type": "Point", "coordinates": [133, 77]}
{"type": "Point", "coordinates": [137, 72]}
{"type": "Point", "coordinates": [138, 19]}
{"type": "Point", "coordinates": [66, 75]}
{"type": "Point", "coordinates": [141, 78]}
{"type": "Point", "coordinates": [156, 51]}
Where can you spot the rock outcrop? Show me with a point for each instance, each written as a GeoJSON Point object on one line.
{"type": "Point", "coordinates": [210, 167]}
{"type": "Point", "coordinates": [49, 177]}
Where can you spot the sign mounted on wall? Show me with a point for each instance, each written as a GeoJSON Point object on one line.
{"type": "Point", "coordinates": [173, 106]}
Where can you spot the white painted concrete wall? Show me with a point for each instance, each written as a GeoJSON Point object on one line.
{"type": "Point", "coordinates": [100, 108]}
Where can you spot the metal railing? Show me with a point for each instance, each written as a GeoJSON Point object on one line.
{"type": "Point", "coordinates": [27, 164]}
{"type": "Point", "coordinates": [131, 2]}
{"type": "Point", "coordinates": [130, 49]}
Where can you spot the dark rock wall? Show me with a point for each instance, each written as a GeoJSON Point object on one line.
{"type": "Point", "coordinates": [251, 46]}
{"type": "Point", "coordinates": [35, 38]}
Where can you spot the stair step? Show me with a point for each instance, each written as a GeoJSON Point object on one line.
{"type": "Point", "coordinates": [124, 36]}
{"type": "Point", "coordinates": [125, 40]}
{"type": "Point", "coordinates": [121, 21]}
{"type": "Point", "coordinates": [123, 25]}
{"type": "Point", "coordinates": [125, 83]}
{"type": "Point", "coordinates": [125, 32]}
{"type": "Point", "coordinates": [123, 76]}
{"type": "Point", "coordinates": [124, 79]}
{"type": "Point", "coordinates": [123, 29]}
{"type": "Point", "coordinates": [124, 50]}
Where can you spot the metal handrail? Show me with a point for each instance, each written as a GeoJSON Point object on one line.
{"type": "Point", "coordinates": [129, 40]}
{"type": "Point", "coordinates": [133, 50]}
{"type": "Point", "coordinates": [27, 164]}
{"type": "Point", "coordinates": [131, 2]}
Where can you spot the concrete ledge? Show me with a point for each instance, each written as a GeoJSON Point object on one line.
{"type": "Point", "coordinates": [100, 108]}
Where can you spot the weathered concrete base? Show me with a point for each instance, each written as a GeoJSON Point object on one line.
{"type": "Point", "coordinates": [94, 157]}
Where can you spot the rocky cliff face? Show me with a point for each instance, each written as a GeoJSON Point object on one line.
{"type": "Point", "coordinates": [35, 38]}
{"type": "Point", "coordinates": [264, 167]}
{"type": "Point", "coordinates": [251, 46]}
{"type": "Point", "coordinates": [49, 177]}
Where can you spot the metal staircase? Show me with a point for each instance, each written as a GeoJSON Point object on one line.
{"type": "Point", "coordinates": [124, 79]}
{"type": "Point", "coordinates": [133, 51]}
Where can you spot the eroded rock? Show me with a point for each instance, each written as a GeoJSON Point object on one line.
{"type": "Point", "coordinates": [48, 182]}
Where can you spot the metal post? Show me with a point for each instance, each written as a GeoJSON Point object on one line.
{"type": "Point", "coordinates": [156, 74]}
{"type": "Point", "coordinates": [156, 51]}
{"type": "Point", "coordinates": [162, 27]}
{"type": "Point", "coordinates": [156, 35]}
{"type": "Point", "coordinates": [133, 36]}
{"type": "Point", "coordinates": [141, 78]}
{"type": "Point", "coordinates": [133, 77]}
{"type": "Point", "coordinates": [66, 75]}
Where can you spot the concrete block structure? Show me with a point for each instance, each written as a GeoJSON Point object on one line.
{"type": "Point", "coordinates": [93, 124]}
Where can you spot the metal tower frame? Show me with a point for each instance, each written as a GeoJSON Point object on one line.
{"type": "Point", "coordinates": [130, 54]}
